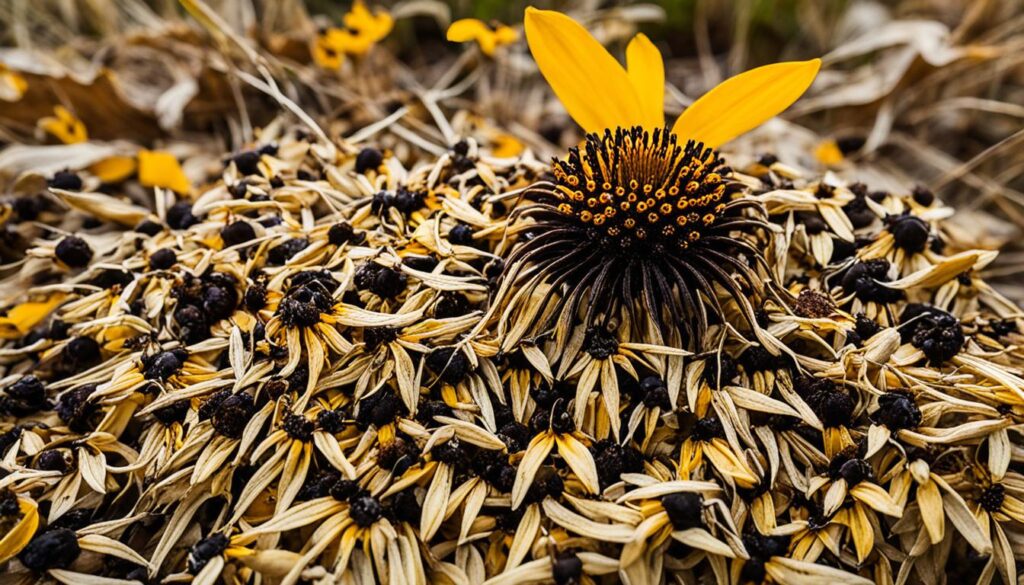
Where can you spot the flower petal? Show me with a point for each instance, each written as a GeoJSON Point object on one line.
{"type": "Point", "coordinates": [743, 102]}
{"type": "Point", "coordinates": [646, 71]}
{"type": "Point", "coordinates": [592, 85]}
{"type": "Point", "coordinates": [466, 29]}
{"type": "Point", "coordinates": [161, 169]}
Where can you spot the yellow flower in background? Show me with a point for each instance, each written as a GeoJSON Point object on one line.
{"type": "Point", "coordinates": [64, 126]}
{"type": "Point", "coordinates": [161, 169]}
{"type": "Point", "coordinates": [363, 29]}
{"type": "Point", "coordinates": [600, 94]}
{"type": "Point", "coordinates": [367, 28]}
{"type": "Point", "coordinates": [488, 37]}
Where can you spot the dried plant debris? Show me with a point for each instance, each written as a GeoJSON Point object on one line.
{"type": "Point", "coordinates": [429, 353]}
{"type": "Point", "coordinates": [307, 372]}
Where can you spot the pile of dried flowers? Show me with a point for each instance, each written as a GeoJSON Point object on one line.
{"type": "Point", "coordinates": [324, 367]}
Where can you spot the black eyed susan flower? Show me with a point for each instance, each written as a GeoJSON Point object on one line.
{"type": "Point", "coordinates": [639, 216]}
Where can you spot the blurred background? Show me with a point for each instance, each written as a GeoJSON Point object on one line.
{"type": "Point", "coordinates": [912, 92]}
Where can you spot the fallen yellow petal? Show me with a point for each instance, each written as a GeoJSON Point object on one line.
{"type": "Point", "coordinates": [113, 169]}
{"type": "Point", "coordinates": [743, 102]}
{"type": "Point", "coordinates": [591, 84]}
{"type": "Point", "coordinates": [647, 73]}
{"type": "Point", "coordinates": [20, 319]}
{"type": "Point", "coordinates": [161, 169]}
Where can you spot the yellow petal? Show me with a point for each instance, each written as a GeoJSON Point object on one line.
{"type": "Point", "coordinates": [113, 169]}
{"type": "Point", "coordinates": [592, 85]}
{"type": "Point", "coordinates": [647, 73]}
{"type": "Point", "coordinates": [20, 319]}
{"type": "Point", "coordinates": [161, 169]}
{"type": "Point", "coordinates": [19, 536]}
{"type": "Point", "coordinates": [741, 103]}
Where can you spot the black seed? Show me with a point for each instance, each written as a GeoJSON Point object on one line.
{"type": "Point", "coordinates": [935, 332]}
{"type": "Point", "coordinates": [567, 569]}
{"type": "Point", "coordinates": [52, 460]}
{"type": "Point", "coordinates": [343, 233]}
{"type": "Point", "coordinates": [218, 303]}
{"type": "Point", "coordinates": [204, 550]}
{"type": "Point", "coordinates": [365, 510]}
{"type": "Point", "coordinates": [897, 410]}
{"type": "Point", "coordinates": [298, 427]}
{"type": "Point", "coordinates": [909, 232]}
{"type": "Point", "coordinates": [612, 460]}
{"type": "Point", "coordinates": [162, 259]}
{"type": "Point", "coordinates": [345, 489]}
{"type": "Point", "coordinates": [404, 507]}
{"type": "Point", "coordinates": [421, 263]}
{"type": "Point", "coordinates": [449, 364]}
{"type": "Point", "coordinates": [655, 393]}
{"type": "Point", "coordinates": [546, 482]}
{"type": "Point", "coordinates": [150, 228]}
{"type": "Point", "coordinates": [256, 297]}
{"type": "Point", "coordinates": [461, 235]}
{"type": "Point", "coordinates": [240, 189]}
{"type": "Point", "coordinates": [388, 283]}
{"type": "Point", "coordinates": [56, 548]}
{"type": "Point", "coordinates": [331, 421]}
{"type": "Point", "coordinates": [991, 498]}
{"type": "Point", "coordinates": [834, 407]}
{"type": "Point", "coordinates": [515, 435]}
{"type": "Point", "coordinates": [26, 396]}
{"type": "Point", "coordinates": [318, 485]}
{"type": "Point", "coordinates": [451, 453]}
{"type": "Point", "coordinates": [29, 208]}
{"type": "Point", "coordinates": [708, 428]}
{"type": "Point", "coordinates": [174, 413]}
{"type": "Point", "coordinates": [192, 322]}
{"type": "Point", "coordinates": [80, 354]}
{"type": "Point", "coordinates": [451, 304]}
{"type": "Point", "coordinates": [685, 510]}
{"type": "Point", "coordinates": [236, 233]}
{"type": "Point", "coordinates": [66, 180]}
{"type": "Point", "coordinates": [162, 366]}
{"type": "Point", "coordinates": [247, 162]}
{"type": "Point", "coordinates": [759, 359]}
{"type": "Point", "coordinates": [855, 471]}
{"type": "Point", "coordinates": [866, 280]}
{"type": "Point", "coordinates": [812, 222]}
{"type": "Point", "coordinates": [74, 252]}
{"type": "Point", "coordinates": [407, 201]}
{"type": "Point", "coordinates": [232, 414]}
{"type": "Point", "coordinates": [374, 337]}
{"type": "Point", "coordinates": [368, 159]}
{"type": "Point", "coordinates": [283, 252]}
{"type": "Point", "coordinates": [428, 409]}
{"type": "Point", "coordinates": [379, 408]}
{"type": "Point", "coordinates": [179, 216]}
{"type": "Point", "coordinates": [923, 196]}
{"type": "Point", "coordinates": [210, 405]}
{"type": "Point", "coordinates": [74, 407]}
